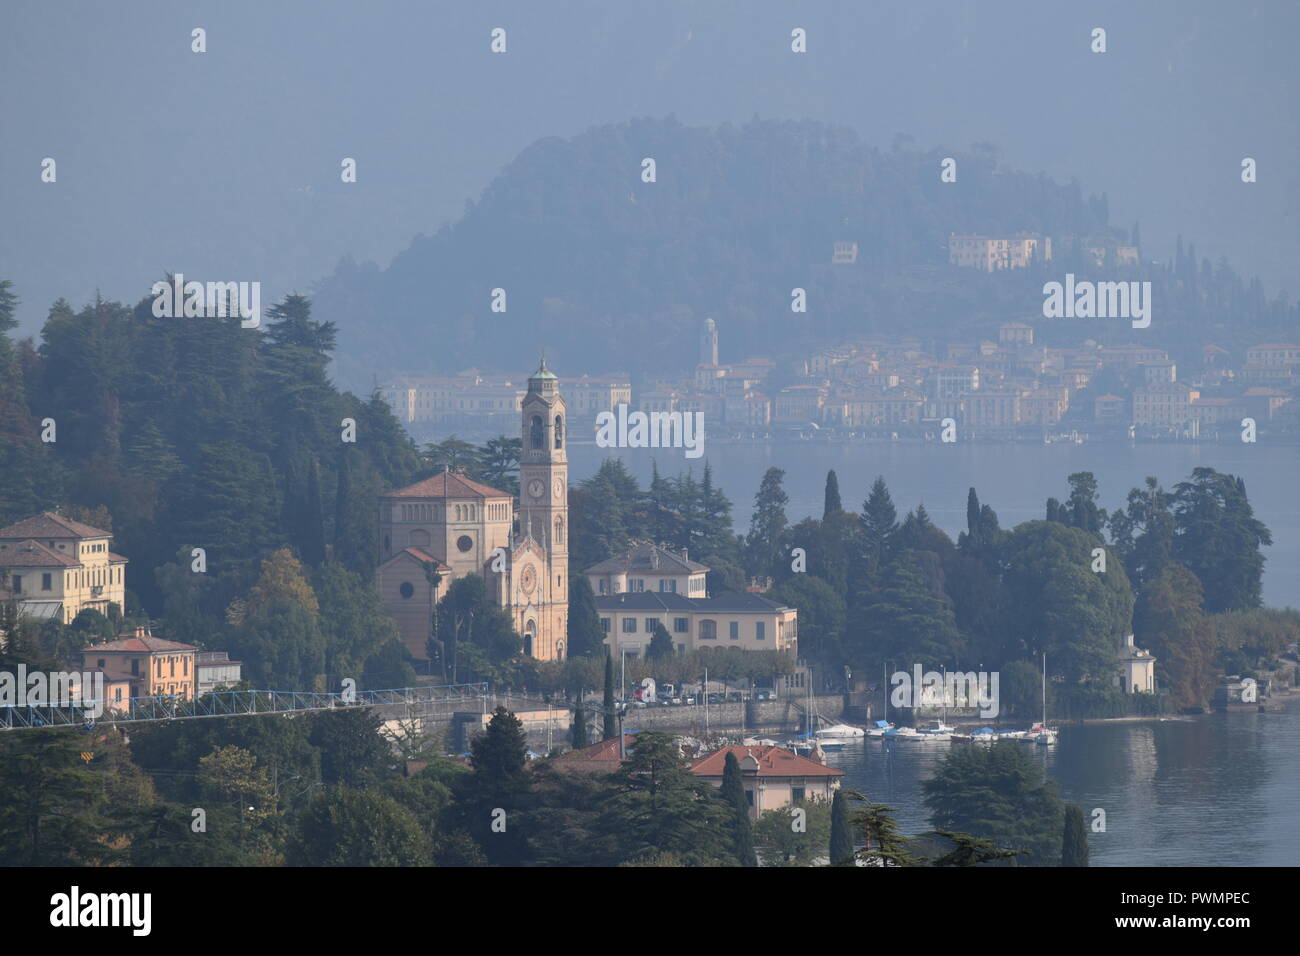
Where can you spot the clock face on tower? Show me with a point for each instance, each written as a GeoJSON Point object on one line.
{"type": "Point", "coordinates": [528, 579]}
{"type": "Point", "coordinates": [559, 489]}
{"type": "Point", "coordinates": [536, 489]}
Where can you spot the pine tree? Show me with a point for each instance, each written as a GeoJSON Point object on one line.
{"type": "Point", "coordinates": [831, 499]}
{"type": "Point", "coordinates": [1074, 844]}
{"type": "Point", "coordinates": [733, 792]}
{"type": "Point", "coordinates": [877, 525]}
{"type": "Point", "coordinates": [767, 524]}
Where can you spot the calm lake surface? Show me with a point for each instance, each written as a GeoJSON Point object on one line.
{"type": "Point", "coordinates": [1015, 479]}
{"type": "Point", "coordinates": [1216, 790]}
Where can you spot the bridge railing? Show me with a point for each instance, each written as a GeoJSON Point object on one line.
{"type": "Point", "coordinates": [229, 703]}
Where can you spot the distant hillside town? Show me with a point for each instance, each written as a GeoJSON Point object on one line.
{"type": "Point", "coordinates": [887, 387]}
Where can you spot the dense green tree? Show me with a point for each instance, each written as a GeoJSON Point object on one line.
{"type": "Point", "coordinates": [877, 524]}
{"type": "Point", "coordinates": [733, 794]}
{"type": "Point", "coordinates": [47, 801]}
{"type": "Point", "coordinates": [911, 620]}
{"type": "Point", "coordinates": [767, 525]}
{"type": "Point", "coordinates": [659, 806]}
{"type": "Point", "coordinates": [998, 793]}
{"type": "Point", "coordinates": [353, 752]}
{"type": "Point", "coordinates": [1168, 621]}
{"type": "Point", "coordinates": [610, 729]}
{"type": "Point", "coordinates": [1218, 539]}
{"type": "Point", "coordinates": [498, 788]}
{"type": "Point", "coordinates": [841, 835]}
{"type": "Point", "coordinates": [822, 616]}
{"type": "Point", "coordinates": [1074, 841]}
{"type": "Point", "coordinates": [661, 644]}
{"type": "Point", "coordinates": [831, 498]}
{"type": "Point", "coordinates": [347, 827]}
{"type": "Point", "coordinates": [478, 633]}
{"type": "Point", "coordinates": [787, 839]}
{"type": "Point", "coordinates": [1053, 601]}
{"type": "Point", "coordinates": [586, 637]}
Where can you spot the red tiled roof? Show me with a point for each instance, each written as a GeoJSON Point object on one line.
{"type": "Point", "coordinates": [448, 485]}
{"type": "Point", "coordinates": [115, 558]}
{"type": "Point", "coordinates": [601, 752]}
{"type": "Point", "coordinates": [772, 762]}
{"type": "Point", "coordinates": [33, 554]}
{"type": "Point", "coordinates": [51, 525]}
{"type": "Point", "coordinates": [422, 555]}
{"type": "Point", "coordinates": [138, 645]}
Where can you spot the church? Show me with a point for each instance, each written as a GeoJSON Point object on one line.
{"type": "Point", "coordinates": [454, 526]}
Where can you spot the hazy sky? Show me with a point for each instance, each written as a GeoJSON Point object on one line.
{"type": "Point", "coordinates": [225, 165]}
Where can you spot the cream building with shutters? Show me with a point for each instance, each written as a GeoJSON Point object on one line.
{"type": "Point", "coordinates": [55, 568]}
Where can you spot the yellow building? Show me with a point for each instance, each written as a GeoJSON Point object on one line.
{"type": "Point", "coordinates": [151, 666]}
{"type": "Point", "coordinates": [739, 619]}
{"type": "Point", "coordinates": [56, 567]}
{"type": "Point", "coordinates": [457, 526]}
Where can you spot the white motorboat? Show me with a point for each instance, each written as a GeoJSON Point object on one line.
{"type": "Point", "coordinates": [903, 733]}
{"type": "Point", "coordinates": [837, 735]}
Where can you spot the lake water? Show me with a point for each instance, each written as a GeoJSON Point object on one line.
{"type": "Point", "coordinates": [1015, 479]}
{"type": "Point", "coordinates": [1216, 790]}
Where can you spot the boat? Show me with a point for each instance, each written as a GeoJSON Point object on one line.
{"type": "Point", "coordinates": [1040, 733]}
{"type": "Point", "coordinates": [881, 728]}
{"type": "Point", "coordinates": [936, 730]}
{"type": "Point", "coordinates": [903, 733]}
{"type": "Point", "coordinates": [837, 735]}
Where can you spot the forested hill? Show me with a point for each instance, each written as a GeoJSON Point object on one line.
{"type": "Point", "coordinates": [611, 272]}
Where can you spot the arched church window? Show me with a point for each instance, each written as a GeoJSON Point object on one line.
{"type": "Point", "coordinates": [559, 531]}
{"type": "Point", "coordinates": [559, 432]}
{"type": "Point", "coordinates": [535, 433]}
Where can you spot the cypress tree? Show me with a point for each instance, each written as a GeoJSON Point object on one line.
{"type": "Point", "coordinates": [1074, 844]}
{"type": "Point", "coordinates": [831, 502]}
{"type": "Point", "coordinates": [733, 792]}
{"type": "Point", "coordinates": [579, 726]}
{"type": "Point", "coordinates": [841, 836]}
{"type": "Point", "coordinates": [312, 545]}
{"type": "Point", "coordinates": [611, 726]}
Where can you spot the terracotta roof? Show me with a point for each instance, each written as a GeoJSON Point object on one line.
{"type": "Point", "coordinates": [114, 558]}
{"type": "Point", "coordinates": [422, 555]}
{"type": "Point", "coordinates": [51, 525]}
{"type": "Point", "coordinates": [448, 485]}
{"type": "Point", "coordinates": [772, 762]}
{"type": "Point", "coordinates": [139, 645]}
{"type": "Point", "coordinates": [419, 554]}
{"type": "Point", "coordinates": [33, 554]}
{"type": "Point", "coordinates": [601, 756]}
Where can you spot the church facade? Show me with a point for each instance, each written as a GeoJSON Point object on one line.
{"type": "Point", "coordinates": [454, 526]}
